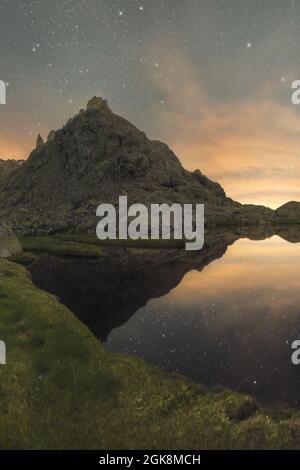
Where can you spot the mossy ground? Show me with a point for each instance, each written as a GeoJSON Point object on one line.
{"type": "Point", "coordinates": [63, 247]}
{"type": "Point", "coordinates": [61, 389]}
{"type": "Point", "coordinates": [89, 246]}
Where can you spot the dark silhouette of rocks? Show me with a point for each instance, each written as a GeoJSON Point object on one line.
{"type": "Point", "coordinates": [99, 104]}
{"type": "Point", "coordinates": [39, 141]}
{"type": "Point", "coordinates": [51, 136]}
{"type": "Point", "coordinates": [103, 292]}
{"type": "Point", "coordinates": [288, 213]}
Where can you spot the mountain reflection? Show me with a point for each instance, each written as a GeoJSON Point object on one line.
{"type": "Point", "coordinates": [225, 316]}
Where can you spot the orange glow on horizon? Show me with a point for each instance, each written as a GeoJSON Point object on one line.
{"type": "Point", "coordinates": [243, 267]}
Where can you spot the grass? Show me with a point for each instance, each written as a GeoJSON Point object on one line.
{"type": "Point", "coordinates": [89, 246]}
{"type": "Point", "coordinates": [141, 243]}
{"type": "Point", "coordinates": [61, 389]}
{"type": "Point", "coordinates": [61, 247]}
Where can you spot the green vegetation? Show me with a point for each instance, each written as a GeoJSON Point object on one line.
{"type": "Point", "coordinates": [61, 247]}
{"type": "Point", "coordinates": [89, 246]}
{"type": "Point", "coordinates": [61, 389]}
{"type": "Point", "coordinates": [141, 243]}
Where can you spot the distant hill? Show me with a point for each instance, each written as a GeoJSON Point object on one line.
{"type": "Point", "coordinates": [94, 158]}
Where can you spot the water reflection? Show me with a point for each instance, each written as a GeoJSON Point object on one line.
{"type": "Point", "coordinates": [225, 316]}
{"type": "Point", "coordinates": [105, 293]}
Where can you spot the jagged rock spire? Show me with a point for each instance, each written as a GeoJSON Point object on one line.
{"type": "Point", "coordinates": [51, 136]}
{"type": "Point", "coordinates": [39, 141]}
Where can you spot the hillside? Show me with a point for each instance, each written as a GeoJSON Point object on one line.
{"type": "Point", "coordinates": [8, 166]}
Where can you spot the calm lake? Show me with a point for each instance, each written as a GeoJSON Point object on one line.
{"type": "Point", "coordinates": [226, 318]}
{"type": "Point", "coordinates": [231, 324]}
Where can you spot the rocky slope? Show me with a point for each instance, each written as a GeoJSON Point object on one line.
{"type": "Point", "coordinates": [96, 157]}
{"type": "Point", "coordinates": [8, 166]}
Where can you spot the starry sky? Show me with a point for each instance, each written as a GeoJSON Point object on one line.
{"type": "Point", "coordinates": [212, 78]}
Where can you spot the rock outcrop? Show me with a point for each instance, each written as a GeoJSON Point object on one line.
{"type": "Point", "coordinates": [9, 244]}
{"type": "Point", "coordinates": [289, 213]}
{"type": "Point", "coordinates": [39, 141]}
{"type": "Point", "coordinates": [51, 136]}
{"type": "Point", "coordinates": [97, 103]}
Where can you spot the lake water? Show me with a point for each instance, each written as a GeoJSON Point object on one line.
{"type": "Point", "coordinates": [231, 324]}
{"type": "Point", "coordinates": [225, 317]}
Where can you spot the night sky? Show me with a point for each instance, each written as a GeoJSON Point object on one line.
{"type": "Point", "coordinates": [210, 78]}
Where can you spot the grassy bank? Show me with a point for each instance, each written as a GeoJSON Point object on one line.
{"type": "Point", "coordinates": [89, 246]}
{"type": "Point", "coordinates": [61, 389]}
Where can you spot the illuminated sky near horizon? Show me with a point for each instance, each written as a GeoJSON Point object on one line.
{"type": "Point", "coordinates": [211, 78]}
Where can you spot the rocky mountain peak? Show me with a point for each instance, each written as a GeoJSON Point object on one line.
{"type": "Point", "coordinates": [94, 158]}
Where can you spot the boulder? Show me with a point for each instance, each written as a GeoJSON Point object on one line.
{"type": "Point", "coordinates": [9, 244]}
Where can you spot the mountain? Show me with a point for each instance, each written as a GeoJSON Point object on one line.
{"type": "Point", "coordinates": [96, 157]}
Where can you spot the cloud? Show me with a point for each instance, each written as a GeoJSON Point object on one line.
{"type": "Point", "coordinates": [251, 145]}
